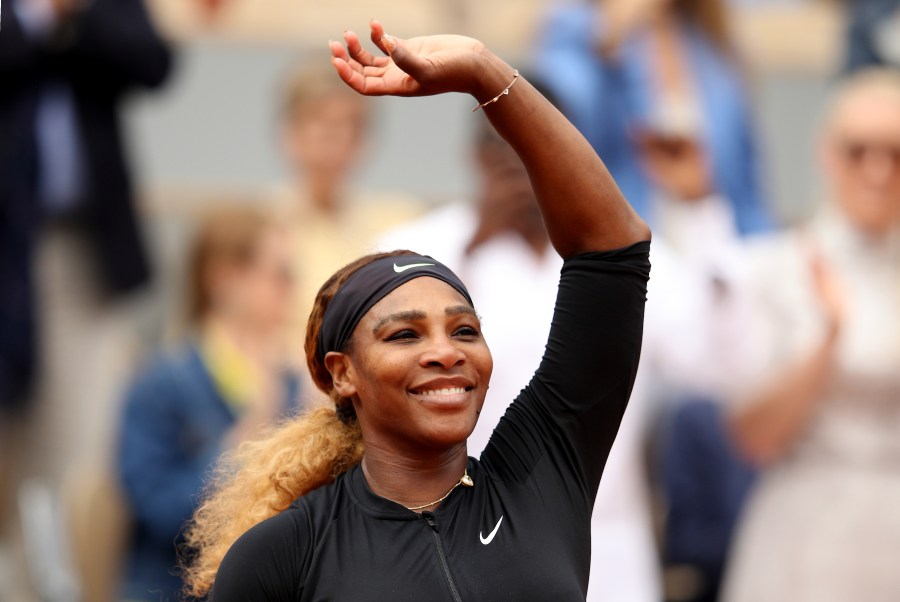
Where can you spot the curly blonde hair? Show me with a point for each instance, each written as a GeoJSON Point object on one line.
{"type": "Point", "coordinates": [262, 478]}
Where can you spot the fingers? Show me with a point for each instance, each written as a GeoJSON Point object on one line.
{"type": "Point", "coordinates": [394, 48]}
{"type": "Point", "coordinates": [360, 54]}
{"type": "Point", "coordinates": [410, 63]}
{"type": "Point", "coordinates": [338, 51]}
{"type": "Point", "coordinates": [377, 33]}
{"type": "Point", "coordinates": [364, 79]}
{"type": "Point", "coordinates": [346, 73]}
{"type": "Point", "coordinates": [376, 76]}
{"type": "Point", "coordinates": [360, 60]}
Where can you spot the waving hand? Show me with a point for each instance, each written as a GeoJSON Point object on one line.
{"type": "Point", "coordinates": [580, 203]}
{"type": "Point", "coordinates": [419, 66]}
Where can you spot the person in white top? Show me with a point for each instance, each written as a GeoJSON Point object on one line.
{"type": "Point", "coordinates": [692, 352]}
{"type": "Point", "coordinates": [821, 414]}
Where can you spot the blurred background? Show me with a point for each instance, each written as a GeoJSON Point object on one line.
{"type": "Point", "coordinates": [176, 180]}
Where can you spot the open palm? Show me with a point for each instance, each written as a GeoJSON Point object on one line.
{"type": "Point", "coordinates": [419, 66]}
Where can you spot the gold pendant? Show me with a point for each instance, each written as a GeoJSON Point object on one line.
{"type": "Point", "coordinates": [466, 480]}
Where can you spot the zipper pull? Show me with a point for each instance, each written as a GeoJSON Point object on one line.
{"type": "Point", "coordinates": [429, 518]}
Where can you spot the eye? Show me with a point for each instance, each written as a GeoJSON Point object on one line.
{"type": "Point", "coordinates": [402, 335]}
{"type": "Point", "coordinates": [466, 331]}
{"type": "Point", "coordinates": [855, 152]}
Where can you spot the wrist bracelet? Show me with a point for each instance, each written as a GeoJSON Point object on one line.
{"type": "Point", "coordinates": [496, 98]}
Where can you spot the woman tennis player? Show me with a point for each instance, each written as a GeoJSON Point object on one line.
{"type": "Point", "coordinates": [375, 498]}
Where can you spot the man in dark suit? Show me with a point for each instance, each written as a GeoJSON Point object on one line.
{"type": "Point", "coordinates": [65, 66]}
{"type": "Point", "coordinates": [70, 240]}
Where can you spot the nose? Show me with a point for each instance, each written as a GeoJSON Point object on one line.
{"type": "Point", "coordinates": [442, 352]}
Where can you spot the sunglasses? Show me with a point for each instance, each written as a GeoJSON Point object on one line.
{"type": "Point", "coordinates": [857, 151]}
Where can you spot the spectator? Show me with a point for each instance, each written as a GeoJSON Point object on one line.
{"type": "Point", "coordinates": [66, 66]}
{"type": "Point", "coordinates": [823, 413]}
{"type": "Point", "coordinates": [479, 242]}
{"type": "Point", "coordinates": [691, 355]}
{"type": "Point", "coordinates": [70, 243]}
{"type": "Point", "coordinates": [325, 129]}
{"type": "Point", "coordinates": [229, 380]}
{"type": "Point", "coordinates": [621, 67]}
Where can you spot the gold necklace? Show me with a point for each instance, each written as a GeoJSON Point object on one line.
{"type": "Point", "coordinates": [465, 480]}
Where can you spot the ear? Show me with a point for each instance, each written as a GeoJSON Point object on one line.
{"type": "Point", "coordinates": [340, 366]}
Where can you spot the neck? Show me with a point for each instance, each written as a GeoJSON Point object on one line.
{"type": "Point", "coordinates": [878, 234]}
{"type": "Point", "coordinates": [322, 191]}
{"type": "Point", "coordinates": [250, 340]}
{"type": "Point", "coordinates": [413, 480]}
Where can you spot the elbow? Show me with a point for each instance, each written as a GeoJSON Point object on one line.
{"type": "Point", "coordinates": [641, 230]}
{"type": "Point", "coordinates": [624, 235]}
{"type": "Point", "coordinates": [636, 230]}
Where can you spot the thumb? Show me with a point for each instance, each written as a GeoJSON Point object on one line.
{"type": "Point", "coordinates": [411, 64]}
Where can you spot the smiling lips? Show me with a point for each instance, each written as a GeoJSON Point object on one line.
{"type": "Point", "coordinates": [448, 395]}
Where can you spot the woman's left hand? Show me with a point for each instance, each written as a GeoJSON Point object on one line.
{"type": "Point", "coordinates": [420, 66]}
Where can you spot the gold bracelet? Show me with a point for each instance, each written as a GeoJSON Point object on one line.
{"type": "Point", "coordinates": [505, 91]}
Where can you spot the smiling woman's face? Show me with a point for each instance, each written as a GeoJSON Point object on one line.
{"type": "Point", "coordinates": [418, 368]}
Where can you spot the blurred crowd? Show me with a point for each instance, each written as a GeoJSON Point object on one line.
{"type": "Point", "coordinates": [759, 458]}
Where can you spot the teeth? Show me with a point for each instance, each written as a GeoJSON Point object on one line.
{"type": "Point", "coordinates": [450, 391]}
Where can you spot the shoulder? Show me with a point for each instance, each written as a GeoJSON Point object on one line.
{"type": "Point", "coordinates": [271, 560]}
{"type": "Point", "coordinates": [283, 531]}
{"type": "Point", "coordinates": [266, 562]}
{"type": "Point", "coordinates": [164, 371]}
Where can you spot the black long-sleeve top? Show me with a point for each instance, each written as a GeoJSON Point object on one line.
{"type": "Point", "coordinates": [523, 531]}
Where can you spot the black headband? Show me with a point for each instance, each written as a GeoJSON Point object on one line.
{"type": "Point", "coordinates": [369, 285]}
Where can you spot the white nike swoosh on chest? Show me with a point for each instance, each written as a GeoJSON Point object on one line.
{"type": "Point", "coordinates": [490, 537]}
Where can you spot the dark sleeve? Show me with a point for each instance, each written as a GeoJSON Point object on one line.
{"type": "Point", "coordinates": [19, 55]}
{"type": "Point", "coordinates": [572, 408]}
{"type": "Point", "coordinates": [265, 564]}
{"type": "Point", "coordinates": [159, 477]}
{"type": "Point", "coordinates": [113, 44]}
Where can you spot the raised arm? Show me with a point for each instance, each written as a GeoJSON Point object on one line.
{"type": "Point", "coordinates": [581, 204]}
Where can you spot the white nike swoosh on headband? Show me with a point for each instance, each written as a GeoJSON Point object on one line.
{"type": "Point", "coordinates": [403, 268]}
{"type": "Point", "coordinates": [490, 537]}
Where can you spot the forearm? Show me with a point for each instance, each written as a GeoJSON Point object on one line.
{"type": "Point", "coordinates": [581, 204]}
{"type": "Point", "coordinates": [582, 207]}
{"type": "Point", "coordinates": [773, 421]}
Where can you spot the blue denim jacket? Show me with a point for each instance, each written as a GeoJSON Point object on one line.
{"type": "Point", "coordinates": [605, 99]}
{"type": "Point", "coordinates": [172, 426]}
